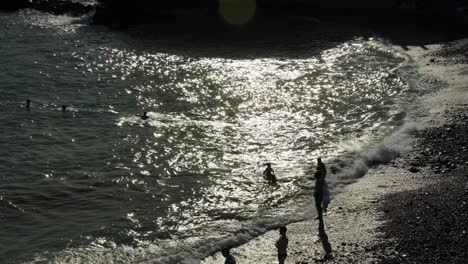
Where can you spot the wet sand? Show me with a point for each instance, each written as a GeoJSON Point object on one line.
{"type": "Point", "coordinates": [413, 210]}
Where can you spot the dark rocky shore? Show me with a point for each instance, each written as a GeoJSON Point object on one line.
{"type": "Point", "coordinates": [430, 225]}
{"type": "Point", "coordinates": [56, 7]}
{"type": "Point", "coordinates": [123, 13]}
{"type": "Point", "coordinates": [119, 13]}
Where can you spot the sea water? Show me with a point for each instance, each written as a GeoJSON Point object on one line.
{"type": "Point", "coordinates": [97, 184]}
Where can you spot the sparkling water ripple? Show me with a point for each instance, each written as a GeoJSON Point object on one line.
{"type": "Point", "coordinates": [97, 183]}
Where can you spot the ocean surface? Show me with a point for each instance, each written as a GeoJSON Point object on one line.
{"type": "Point", "coordinates": [97, 184]}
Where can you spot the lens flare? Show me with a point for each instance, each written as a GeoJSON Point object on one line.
{"type": "Point", "coordinates": [237, 12]}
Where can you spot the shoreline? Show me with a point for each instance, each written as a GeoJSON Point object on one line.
{"type": "Point", "coordinates": [364, 221]}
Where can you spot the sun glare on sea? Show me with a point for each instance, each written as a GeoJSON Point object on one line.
{"type": "Point", "coordinates": [237, 12]}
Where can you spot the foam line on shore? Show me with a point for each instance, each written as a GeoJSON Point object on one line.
{"type": "Point", "coordinates": [393, 146]}
{"type": "Point", "coordinates": [354, 166]}
{"type": "Point", "coordinates": [245, 235]}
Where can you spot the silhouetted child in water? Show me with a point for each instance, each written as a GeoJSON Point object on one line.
{"type": "Point", "coordinates": [282, 245]}
{"type": "Point", "coordinates": [230, 259]}
{"type": "Point", "coordinates": [269, 176]}
{"type": "Point", "coordinates": [144, 116]}
{"type": "Point", "coordinates": [64, 108]}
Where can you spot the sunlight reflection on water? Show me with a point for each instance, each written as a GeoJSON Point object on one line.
{"type": "Point", "coordinates": [221, 119]}
{"type": "Point", "coordinates": [128, 189]}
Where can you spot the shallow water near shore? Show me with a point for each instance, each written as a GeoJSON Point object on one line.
{"type": "Point", "coordinates": [98, 184]}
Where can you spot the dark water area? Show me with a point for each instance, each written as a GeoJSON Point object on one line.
{"type": "Point", "coordinates": [97, 184]}
{"type": "Point", "coordinates": [239, 12]}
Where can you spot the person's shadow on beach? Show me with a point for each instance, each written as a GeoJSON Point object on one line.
{"type": "Point", "coordinates": [324, 238]}
{"type": "Point", "coordinates": [318, 197]}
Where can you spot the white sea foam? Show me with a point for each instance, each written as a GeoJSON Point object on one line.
{"type": "Point", "coordinates": [351, 169]}
{"type": "Point", "coordinates": [194, 256]}
{"type": "Point", "coordinates": [181, 251]}
{"type": "Point", "coordinates": [65, 23]}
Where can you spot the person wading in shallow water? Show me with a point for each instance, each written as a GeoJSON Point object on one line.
{"type": "Point", "coordinates": [321, 167]}
{"type": "Point", "coordinates": [230, 259]}
{"type": "Point", "coordinates": [269, 176]}
{"type": "Point", "coordinates": [325, 197]}
{"type": "Point", "coordinates": [318, 195]}
{"type": "Point", "coordinates": [282, 245]}
{"type": "Point", "coordinates": [318, 191]}
{"type": "Point", "coordinates": [144, 116]}
{"type": "Point", "coordinates": [321, 193]}
{"type": "Point", "coordinates": [28, 105]}
{"type": "Point", "coordinates": [325, 192]}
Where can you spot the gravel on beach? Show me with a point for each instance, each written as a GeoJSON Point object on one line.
{"type": "Point", "coordinates": [430, 225]}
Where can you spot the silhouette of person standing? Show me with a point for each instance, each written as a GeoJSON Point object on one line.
{"type": "Point", "coordinates": [325, 197]}
{"type": "Point", "coordinates": [321, 167]}
{"type": "Point", "coordinates": [318, 190]}
{"type": "Point", "coordinates": [325, 192]}
{"type": "Point", "coordinates": [64, 108]}
{"type": "Point", "coordinates": [230, 259]}
{"type": "Point", "coordinates": [28, 104]}
{"type": "Point", "coordinates": [269, 176]}
{"type": "Point", "coordinates": [282, 245]}
{"type": "Point", "coordinates": [318, 195]}
{"type": "Point", "coordinates": [144, 116]}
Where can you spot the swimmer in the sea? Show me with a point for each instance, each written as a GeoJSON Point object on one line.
{"type": "Point", "coordinates": [28, 104]}
{"type": "Point", "coordinates": [269, 174]}
{"type": "Point", "coordinates": [64, 108]}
